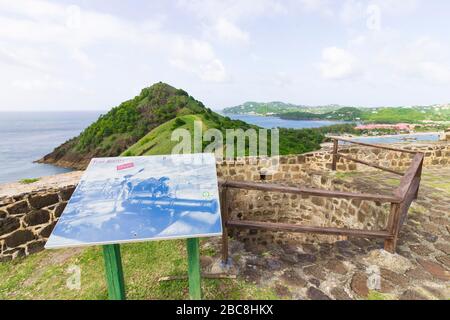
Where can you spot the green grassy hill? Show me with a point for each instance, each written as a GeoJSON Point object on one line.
{"type": "Point", "coordinates": [115, 131]}
{"type": "Point", "coordinates": [143, 126]}
{"type": "Point", "coordinates": [158, 141]}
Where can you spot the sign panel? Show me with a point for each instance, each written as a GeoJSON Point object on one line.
{"type": "Point", "coordinates": [131, 199]}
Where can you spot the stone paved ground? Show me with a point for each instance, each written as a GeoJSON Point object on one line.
{"type": "Point", "coordinates": [358, 268]}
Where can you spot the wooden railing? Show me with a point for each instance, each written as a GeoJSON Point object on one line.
{"type": "Point", "coordinates": [400, 201]}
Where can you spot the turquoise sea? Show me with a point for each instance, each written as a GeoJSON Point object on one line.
{"type": "Point", "coordinates": [27, 136]}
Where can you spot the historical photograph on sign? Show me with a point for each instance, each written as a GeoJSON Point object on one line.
{"type": "Point", "coordinates": [128, 199]}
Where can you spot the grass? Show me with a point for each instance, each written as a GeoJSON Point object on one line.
{"type": "Point", "coordinates": [158, 141]}
{"type": "Point", "coordinates": [375, 295]}
{"type": "Point", "coordinates": [343, 175]}
{"type": "Point", "coordinates": [28, 181]}
{"type": "Point", "coordinates": [44, 275]}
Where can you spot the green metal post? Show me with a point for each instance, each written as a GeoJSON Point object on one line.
{"type": "Point", "coordinates": [114, 273]}
{"type": "Point", "coordinates": [194, 268]}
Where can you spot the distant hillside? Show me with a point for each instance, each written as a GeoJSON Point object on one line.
{"type": "Point", "coordinates": [336, 112]}
{"type": "Point", "coordinates": [345, 114]}
{"type": "Point", "coordinates": [276, 107]}
{"type": "Point", "coordinates": [376, 115]}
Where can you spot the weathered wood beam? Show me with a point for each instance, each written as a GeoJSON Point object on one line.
{"type": "Point", "coordinates": [250, 185]}
{"type": "Point", "coordinates": [370, 164]}
{"type": "Point", "coordinates": [307, 229]}
{"type": "Point", "coordinates": [374, 145]}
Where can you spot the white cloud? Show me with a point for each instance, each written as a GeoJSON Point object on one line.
{"type": "Point", "coordinates": [424, 59]}
{"type": "Point", "coordinates": [51, 46]}
{"type": "Point", "coordinates": [46, 82]}
{"type": "Point", "coordinates": [338, 64]}
{"type": "Point", "coordinates": [232, 9]}
{"type": "Point", "coordinates": [221, 18]}
{"type": "Point", "coordinates": [229, 31]}
{"type": "Point", "coordinates": [323, 7]}
{"type": "Point", "coordinates": [197, 57]}
{"type": "Point", "coordinates": [352, 10]}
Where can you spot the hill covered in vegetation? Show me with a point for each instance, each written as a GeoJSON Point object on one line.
{"type": "Point", "coordinates": [415, 114]}
{"type": "Point", "coordinates": [345, 114]}
{"type": "Point", "coordinates": [143, 126]}
{"type": "Point", "coordinates": [125, 124]}
{"type": "Point", "coordinates": [376, 115]}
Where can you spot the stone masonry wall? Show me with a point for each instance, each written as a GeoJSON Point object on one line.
{"type": "Point", "coordinates": [313, 170]}
{"type": "Point", "coordinates": [297, 209]}
{"type": "Point", "coordinates": [435, 154]}
{"type": "Point", "coordinates": [27, 220]}
{"type": "Point", "coordinates": [28, 214]}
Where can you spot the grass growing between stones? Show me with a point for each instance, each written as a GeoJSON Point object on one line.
{"type": "Point", "coordinates": [375, 295]}
{"type": "Point", "coordinates": [28, 181]}
{"type": "Point", "coordinates": [344, 175]}
{"type": "Point", "coordinates": [44, 275]}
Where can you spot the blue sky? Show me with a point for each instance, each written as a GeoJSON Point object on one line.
{"type": "Point", "coordinates": [91, 55]}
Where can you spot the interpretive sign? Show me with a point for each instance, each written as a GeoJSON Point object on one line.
{"type": "Point", "coordinates": [130, 199]}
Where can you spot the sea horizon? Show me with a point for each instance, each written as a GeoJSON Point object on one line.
{"type": "Point", "coordinates": [27, 136]}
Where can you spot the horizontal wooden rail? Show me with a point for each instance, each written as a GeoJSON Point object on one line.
{"type": "Point", "coordinates": [307, 229]}
{"type": "Point", "coordinates": [307, 191]}
{"type": "Point", "coordinates": [369, 164]}
{"type": "Point", "coordinates": [374, 145]}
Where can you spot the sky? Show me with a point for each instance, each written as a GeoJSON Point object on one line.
{"type": "Point", "coordinates": [94, 54]}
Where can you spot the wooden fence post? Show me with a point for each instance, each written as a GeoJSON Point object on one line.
{"type": "Point", "coordinates": [419, 176]}
{"type": "Point", "coordinates": [224, 211]}
{"type": "Point", "coordinates": [393, 227]}
{"type": "Point", "coordinates": [335, 156]}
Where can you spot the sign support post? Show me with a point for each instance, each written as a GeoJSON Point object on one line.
{"type": "Point", "coordinates": [194, 268]}
{"type": "Point", "coordinates": [114, 273]}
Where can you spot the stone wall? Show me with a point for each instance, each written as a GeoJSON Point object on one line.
{"type": "Point", "coordinates": [26, 220]}
{"type": "Point", "coordinates": [435, 154]}
{"type": "Point", "coordinates": [28, 213]}
{"type": "Point", "coordinates": [297, 209]}
{"type": "Point", "coordinates": [313, 170]}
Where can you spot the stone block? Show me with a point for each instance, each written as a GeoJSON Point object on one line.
{"type": "Point", "coordinates": [66, 193]}
{"type": "Point", "coordinates": [359, 284]}
{"type": "Point", "coordinates": [15, 253]}
{"type": "Point", "coordinates": [9, 225]}
{"type": "Point", "coordinates": [19, 207]}
{"type": "Point", "coordinates": [19, 237]}
{"type": "Point", "coordinates": [45, 200]}
{"type": "Point", "coordinates": [59, 209]}
{"type": "Point", "coordinates": [435, 269]}
{"type": "Point", "coordinates": [47, 230]}
{"type": "Point", "coordinates": [35, 247]}
{"type": "Point", "coordinates": [37, 217]}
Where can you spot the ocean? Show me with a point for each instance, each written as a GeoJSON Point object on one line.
{"type": "Point", "coordinates": [28, 136]}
